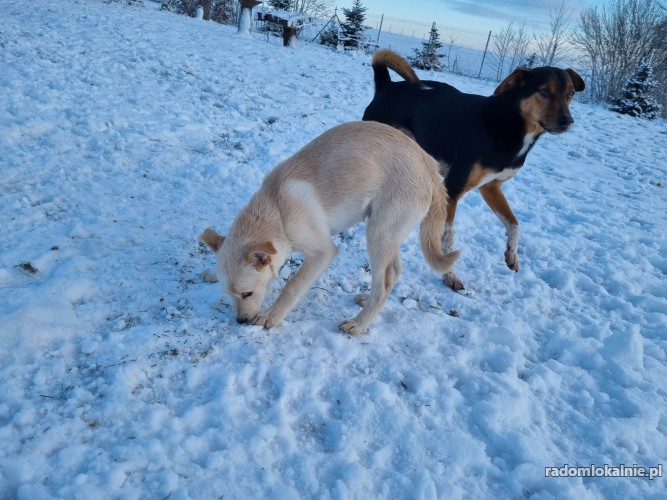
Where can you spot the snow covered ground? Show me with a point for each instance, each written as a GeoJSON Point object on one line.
{"type": "Point", "coordinates": [125, 131]}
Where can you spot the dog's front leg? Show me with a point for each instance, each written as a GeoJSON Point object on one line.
{"type": "Point", "coordinates": [495, 198]}
{"type": "Point", "coordinates": [314, 263]}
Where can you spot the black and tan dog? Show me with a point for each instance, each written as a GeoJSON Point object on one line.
{"type": "Point", "coordinates": [480, 142]}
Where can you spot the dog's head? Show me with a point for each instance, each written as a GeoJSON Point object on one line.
{"type": "Point", "coordinates": [544, 97]}
{"type": "Point", "coordinates": [244, 270]}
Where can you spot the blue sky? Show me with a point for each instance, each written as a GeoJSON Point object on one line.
{"type": "Point", "coordinates": [479, 15]}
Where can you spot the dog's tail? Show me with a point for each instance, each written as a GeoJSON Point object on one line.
{"type": "Point", "coordinates": [384, 59]}
{"type": "Point", "coordinates": [431, 229]}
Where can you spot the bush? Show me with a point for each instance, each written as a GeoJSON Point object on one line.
{"type": "Point", "coordinates": [329, 36]}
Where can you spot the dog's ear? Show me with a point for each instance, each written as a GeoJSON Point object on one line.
{"type": "Point", "coordinates": [260, 254]}
{"type": "Point", "coordinates": [516, 79]}
{"type": "Point", "coordinates": [212, 239]}
{"type": "Point", "coordinates": [577, 81]}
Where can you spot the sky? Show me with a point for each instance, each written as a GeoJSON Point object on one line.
{"type": "Point", "coordinates": [480, 15]}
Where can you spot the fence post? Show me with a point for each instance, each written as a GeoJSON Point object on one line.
{"type": "Point", "coordinates": [484, 56]}
{"type": "Point", "coordinates": [335, 16]}
{"type": "Point", "coordinates": [377, 41]}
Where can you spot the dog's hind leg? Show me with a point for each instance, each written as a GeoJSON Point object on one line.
{"type": "Point", "coordinates": [384, 234]}
{"type": "Point", "coordinates": [314, 263]}
{"type": "Point", "coordinates": [450, 279]}
{"type": "Point", "coordinates": [392, 274]}
{"type": "Point", "coordinates": [372, 305]}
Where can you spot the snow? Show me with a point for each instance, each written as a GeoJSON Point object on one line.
{"type": "Point", "coordinates": [125, 131]}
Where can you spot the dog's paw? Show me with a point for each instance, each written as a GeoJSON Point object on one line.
{"type": "Point", "coordinates": [452, 281]}
{"type": "Point", "coordinates": [350, 326]}
{"type": "Point", "coordinates": [361, 299]}
{"type": "Point", "coordinates": [267, 320]}
{"type": "Point", "coordinates": [512, 260]}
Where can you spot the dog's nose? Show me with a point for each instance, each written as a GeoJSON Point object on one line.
{"type": "Point", "coordinates": [565, 121]}
{"type": "Point", "coordinates": [241, 321]}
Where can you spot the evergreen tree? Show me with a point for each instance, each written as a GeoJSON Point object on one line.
{"type": "Point", "coordinates": [530, 61]}
{"type": "Point", "coordinates": [636, 97]}
{"type": "Point", "coordinates": [353, 27]}
{"type": "Point", "coordinates": [428, 57]}
{"type": "Point", "coordinates": [329, 35]}
{"type": "Point", "coordinates": [280, 4]}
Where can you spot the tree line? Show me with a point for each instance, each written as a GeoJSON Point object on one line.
{"type": "Point", "coordinates": [620, 45]}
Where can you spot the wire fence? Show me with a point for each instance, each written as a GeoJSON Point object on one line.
{"type": "Point", "coordinates": [463, 51]}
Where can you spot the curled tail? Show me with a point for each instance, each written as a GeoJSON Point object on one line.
{"type": "Point", "coordinates": [431, 229]}
{"type": "Point", "coordinates": [384, 59]}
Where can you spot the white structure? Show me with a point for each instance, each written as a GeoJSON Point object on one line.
{"type": "Point", "coordinates": [245, 20]}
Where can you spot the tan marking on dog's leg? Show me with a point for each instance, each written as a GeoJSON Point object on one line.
{"type": "Point", "coordinates": [494, 197]}
{"type": "Point", "coordinates": [475, 179]}
{"type": "Point", "coordinates": [314, 263]}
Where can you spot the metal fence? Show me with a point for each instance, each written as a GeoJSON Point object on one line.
{"type": "Point", "coordinates": [463, 51]}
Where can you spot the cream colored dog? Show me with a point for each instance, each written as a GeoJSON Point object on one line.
{"type": "Point", "coordinates": [356, 171]}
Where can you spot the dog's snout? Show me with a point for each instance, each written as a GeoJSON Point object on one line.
{"type": "Point", "coordinates": [565, 120]}
{"type": "Point", "coordinates": [241, 321]}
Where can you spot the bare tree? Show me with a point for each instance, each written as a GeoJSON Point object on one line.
{"type": "Point", "coordinates": [502, 43]}
{"type": "Point", "coordinates": [519, 49]}
{"type": "Point", "coordinates": [614, 39]}
{"type": "Point", "coordinates": [452, 40]}
{"type": "Point", "coordinates": [316, 8]}
{"type": "Point", "coordinates": [511, 46]}
{"type": "Point", "coordinates": [551, 45]}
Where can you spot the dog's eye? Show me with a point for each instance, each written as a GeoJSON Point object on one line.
{"type": "Point", "coordinates": [570, 94]}
{"type": "Point", "coordinates": [246, 295]}
{"type": "Point", "coordinates": [545, 93]}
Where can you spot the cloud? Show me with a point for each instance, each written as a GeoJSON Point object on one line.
{"type": "Point", "coordinates": [533, 12]}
